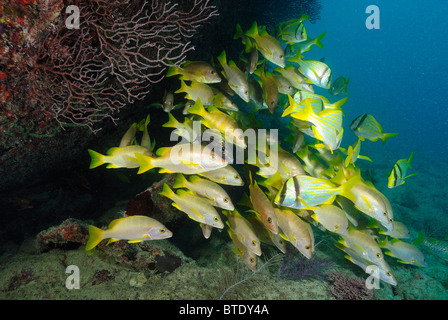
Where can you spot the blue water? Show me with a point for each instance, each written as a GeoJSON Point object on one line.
{"type": "Point", "coordinates": [398, 73]}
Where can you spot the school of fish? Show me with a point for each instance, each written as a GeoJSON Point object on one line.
{"type": "Point", "coordinates": [314, 184]}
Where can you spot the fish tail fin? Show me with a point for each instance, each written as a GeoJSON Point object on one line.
{"type": "Point", "coordinates": [348, 185]}
{"type": "Point", "coordinates": [349, 158]}
{"type": "Point", "coordinates": [346, 85]}
{"type": "Point", "coordinates": [172, 71]}
{"type": "Point", "coordinates": [239, 32]}
{"type": "Point", "coordinates": [318, 40]}
{"type": "Point", "coordinates": [144, 161]}
{"type": "Point", "coordinates": [95, 237]}
{"type": "Point", "coordinates": [97, 159]}
{"type": "Point", "coordinates": [253, 31]}
{"type": "Point", "coordinates": [183, 87]}
{"type": "Point", "coordinates": [172, 122]}
{"type": "Point", "coordinates": [383, 243]}
{"type": "Point", "coordinates": [386, 136]}
{"type": "Point", "coordinates": [198, 108]}
{"type": "Point", "coordinates": [180, 181]}
{"type": "Point", "coordinates": [222, 59]}
{"type": "Point", "coordinates": [304, 114]}
{"type": "Point", "coordinates": [410, 158]}
{"type": "Point", "coordinates": [167, 192]}
{"type": "Point", "coordinates": [338, 104]}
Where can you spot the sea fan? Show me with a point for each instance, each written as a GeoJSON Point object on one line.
{"type": "Point", "coordinates": [296, 266]}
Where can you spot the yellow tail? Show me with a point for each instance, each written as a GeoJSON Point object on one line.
{"type": "Point", "coordinates": [347, 187]}
{"type": "Point", "coordinates": [97, 159]}
{"type": "Point", "coordinates": [144, 161]}
{"type": "Point", "coordinates": [180, 181]}
{"type": "Point", "coordinates": [386, 136]}
{"type": "Point", "coordinates": [95, 237]}
{"type": "Point", "coordinates": [172, 122]}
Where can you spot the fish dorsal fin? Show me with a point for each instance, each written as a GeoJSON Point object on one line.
{"type": "Point", "coordinates": [162, 151]}
{"type": "Point", "coordinates": [112, 150]}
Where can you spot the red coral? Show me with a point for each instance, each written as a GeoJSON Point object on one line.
{"type": "Point", "coordinates": [82, 76]}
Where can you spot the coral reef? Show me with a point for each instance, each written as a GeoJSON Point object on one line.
{"type": "Point", "coordinates": [348, 288]}
{"type": "Point", "coordinates": [70, 234]}
{"type": "Point", "coordinates": [295, 266]}
{"type": "Point", "coordinates": [83, 75]}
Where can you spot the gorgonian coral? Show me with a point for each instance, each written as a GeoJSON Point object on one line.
{"type": "Point", "coordinates": [82, 76]}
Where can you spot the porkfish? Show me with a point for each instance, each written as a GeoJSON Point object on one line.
{"type": "Point", "coordinates": [365, 126]}
{"type": "Point", "coordinates": [326, 125]}
{"type": "Point", "coordinates": [306, 192]}
{"type": "Point", "coordinates": [134, 229]}
{"type": "Point", "coordinates": [398, 174]}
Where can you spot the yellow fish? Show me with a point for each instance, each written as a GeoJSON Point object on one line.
{"type": "Point", "coordinates": [270, 48]}
{"type": "Point", "coordinates": [331, 218]}
{"type": "Point", "coordinates": [226, 175]}
{"type": "Point", "coordinates": [196, 208]}
{"type": "Point", "coordinates": [243, 230]}
{"type": "Point", "coordinates": [262, 206]}
{"type": "Point", "coordinates": [199, 71]}
{"type": "Point", "coordinates": [296, 231]}
{"type": "Point", "coordinates": [118, 157]}
{"type": "Point", "coordinates": [215, 119]}
{"type": "Point", "coordinates": [302, 192]}
{"type": "Point", "coordinates": [197, 90]}
{"type": "Point", "coordinates": [207, 189]}
{"type": "Point", "coordinates": [133, 228]}
{"type": "Point", "coordinates": [398, 174]}
{"type": "Point", "coordinates": [188, 158]}
{"type": "Point", "coordinates": [236, 78]}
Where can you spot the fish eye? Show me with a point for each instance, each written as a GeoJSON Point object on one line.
{"type": "Point", "coordinates": [391, 220]}
{"type": "Point", "coordinates": [212, 157]}
{"type": "Point", "coordinates": [378, 255]}
{"type": "Point", "coordinates": [254, 243]}
{"type": "Point", "coordinates": [385, 213]}
{"type": "Point", "coordinates": [162, 230]}
{"type": "Point", "coordinates": [226, 200]}
{"type": "Point", "coordinates": [307, 247]}
{"type": "Point", "coordinates": [389, 273]}
{"type": "Point", "coordinates": [251, 260]}
{"type": "Point", "coordinates": [213, 72]}
{"type": "Point", "coordinates": [246, 92]}
{"type": "Point", "coordinates": [280, 56]}
{"type": "Point", "coordinates": [216, 219]}
{"type": "Point", "coordinates": [237, 177]}
{"type": "Point", "coordinates": [269, 220]}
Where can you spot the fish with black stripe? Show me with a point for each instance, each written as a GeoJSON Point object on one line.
{"type": "Point", "coordinates": [366, 127]}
